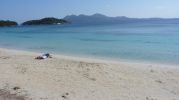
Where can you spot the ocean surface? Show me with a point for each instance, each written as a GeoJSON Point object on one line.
{"type": "Point", "coordinates": [138, 41]}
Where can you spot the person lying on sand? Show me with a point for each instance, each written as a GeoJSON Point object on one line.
{"type": "Point", "coordinates": [44, 56]}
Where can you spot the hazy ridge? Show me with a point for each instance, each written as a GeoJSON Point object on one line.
{"type": "Point", "coordinates": [103, 19]}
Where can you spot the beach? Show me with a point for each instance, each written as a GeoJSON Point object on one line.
{"type": "Point", "coordinates": [73, 78]}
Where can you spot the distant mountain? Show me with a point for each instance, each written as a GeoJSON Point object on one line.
{"type": "Point", "coordinates": [45, 21]}
{"type": "Point", "coordinates": [7, 23]}
{"type": "Point", "coordinates": [102, 19]}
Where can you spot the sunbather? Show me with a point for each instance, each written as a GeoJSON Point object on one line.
{"type": "Point", "coordinates": [44, 56]}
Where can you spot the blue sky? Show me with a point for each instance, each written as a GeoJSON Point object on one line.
{"type": "Point", "coordinates": [21, 10]}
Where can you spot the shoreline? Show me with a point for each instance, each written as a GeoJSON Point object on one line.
{"type": "Point", "coordinates": [75, 78]}
{"type": "Point", "coordinates": [92, 59]}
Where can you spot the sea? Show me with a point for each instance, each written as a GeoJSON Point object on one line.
{"type": "Point", "coordinates": [148, 42]}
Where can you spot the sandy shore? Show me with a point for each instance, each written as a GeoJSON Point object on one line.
{"type": "Point", "coordinates": [71, 78]}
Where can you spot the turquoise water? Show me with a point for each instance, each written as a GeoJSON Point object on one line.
{"type": "Point", "coordinates": [140, 42]}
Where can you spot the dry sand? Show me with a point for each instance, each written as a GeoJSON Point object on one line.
{"type": "Point", "coordinates": [71, 78]}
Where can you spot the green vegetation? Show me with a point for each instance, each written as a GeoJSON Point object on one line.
{"type": "Point", "coordinates": [7, 23]}
{"type": "Point", "coordinates": [45, 21]}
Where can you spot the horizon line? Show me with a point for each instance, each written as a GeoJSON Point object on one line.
{"type": "Point", "coordinates": [95, 14]}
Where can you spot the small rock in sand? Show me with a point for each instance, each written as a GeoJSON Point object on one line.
{"type": "Point", "coordinates": [159, 81]}
{"type": "Point", "coordinates": [16, 88]}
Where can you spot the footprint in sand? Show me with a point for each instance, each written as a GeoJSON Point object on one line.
{"type": "Point", "coordinates": [65, 96]}
{"type": "Point", "coordinates": [4, 57]}
{"type": "Point", "coordinates": [7, 95]}
{"type": "Point", "coordinates": [149, 98]}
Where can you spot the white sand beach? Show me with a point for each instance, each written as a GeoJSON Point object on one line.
{"type": "Point", "coordinates": [72, 78]}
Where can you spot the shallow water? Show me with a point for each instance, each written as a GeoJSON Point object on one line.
{"type": "Point", "coordinates": [140, 41]}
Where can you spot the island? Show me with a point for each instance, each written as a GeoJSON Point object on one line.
{"type": "Point", "coordinates": [100, 19]}
{"type": "Point", "coordinates": [45, 21]}
{"type": "Point", "coordinates": [7, 23]}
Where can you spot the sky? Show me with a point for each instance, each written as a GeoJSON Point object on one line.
{"type": "Point", "coordinates": [22, 10]}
